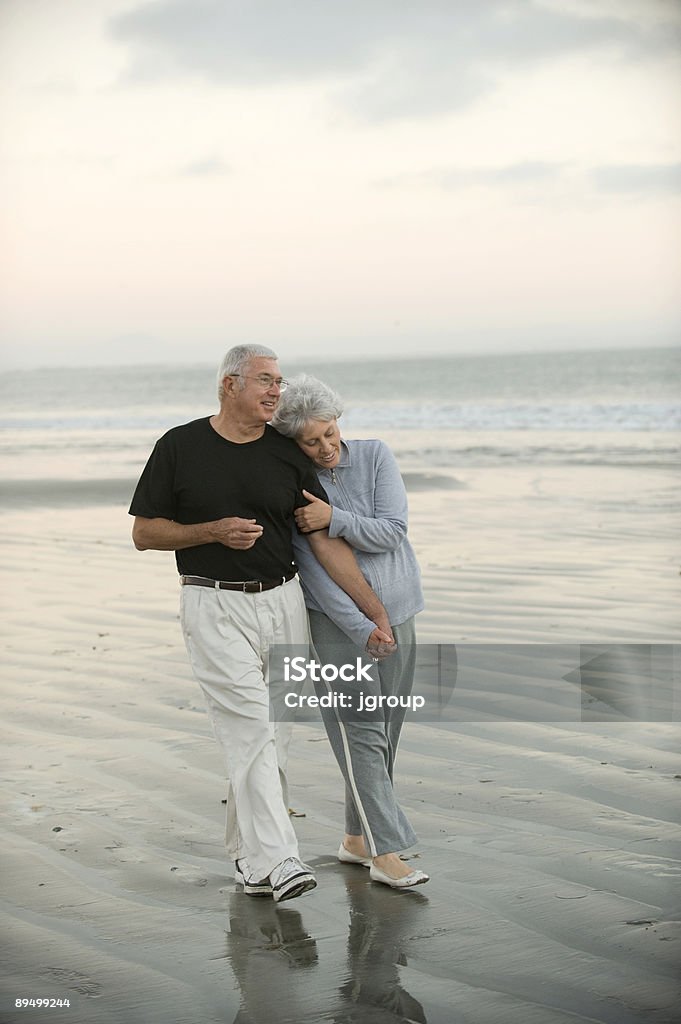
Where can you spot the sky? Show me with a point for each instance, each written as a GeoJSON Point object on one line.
{"type": "Point", "coordinates": [365, 178]}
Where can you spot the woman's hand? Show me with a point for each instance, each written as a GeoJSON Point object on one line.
{"type": "Point", "coordinates": [380, 645]}
{"type": "Point", "coordinates": [315, 516]}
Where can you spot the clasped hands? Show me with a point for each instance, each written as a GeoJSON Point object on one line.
{"type": "Point", "coordinates": [380, 645]}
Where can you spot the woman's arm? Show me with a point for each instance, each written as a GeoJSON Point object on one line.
{"type": "Point", "coordinates": [385, 530]}
{"type": "Point", "coordinates": [337, 558]}
{"type": "Point", "coordinates": [329, 596]}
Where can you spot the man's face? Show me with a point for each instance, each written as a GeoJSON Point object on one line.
{"type": "Point", "coordinates": [260, 395]}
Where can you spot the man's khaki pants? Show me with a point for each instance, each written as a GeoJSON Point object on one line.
{"type": "Point", "coordinates": [228, 634]}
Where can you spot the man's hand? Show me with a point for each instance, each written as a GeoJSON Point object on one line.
{"type": "Point", "coordinates": [234, 532]}
{"type": "Point", "coordinates": [380, 645]}
{"type": "Point", "coordinates": [315, 516]}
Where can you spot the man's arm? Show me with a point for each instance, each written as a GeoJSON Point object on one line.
{"type": "Point", "coordinates": [339, 561]}
{"type": "Point", "coordinates": [166, 535]}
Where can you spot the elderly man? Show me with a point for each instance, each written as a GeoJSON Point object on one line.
{"type": "Point", "coordinates": [221, 492]}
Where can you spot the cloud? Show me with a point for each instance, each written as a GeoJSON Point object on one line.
{"type": "Point", "coordinates": [396, 57]}
{"type": "Point", "coordinates": [639, 179]}
{"type": "Point", "coordinates": [210, 167]}
{"type": "Point", "coordinates": [531, 172]}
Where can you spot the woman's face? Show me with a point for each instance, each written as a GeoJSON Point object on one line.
{"type": "Point", "coordinates": [321, 442]}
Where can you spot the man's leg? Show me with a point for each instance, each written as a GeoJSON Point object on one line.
{"type": "Point", "coordinates": [227, 644]}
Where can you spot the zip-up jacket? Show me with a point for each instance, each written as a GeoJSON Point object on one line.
{"type": "Point", "coordinates": [369, 510]}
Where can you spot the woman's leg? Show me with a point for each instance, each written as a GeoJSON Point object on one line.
{"type": "Point", "coordinates": [397, 678]}
{"type": "Point", "coordinates": [364, 747]}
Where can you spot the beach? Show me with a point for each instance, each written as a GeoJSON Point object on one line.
{"type": "Point", "coordinates": [462, 219]}
{"type": "Point", "coordinates": [552, 846]}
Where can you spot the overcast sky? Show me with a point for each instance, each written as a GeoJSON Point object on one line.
{"type": "Point", "coordinates": [337, 178]}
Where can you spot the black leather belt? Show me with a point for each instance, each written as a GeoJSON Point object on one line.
{"type": "Point", "coordinates": [247, 587]}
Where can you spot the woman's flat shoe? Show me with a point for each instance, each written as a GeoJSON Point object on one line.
{"type": "Point", "coordinates": [413, 878]}
{"type": "Point", "coordinates": [351, 858]}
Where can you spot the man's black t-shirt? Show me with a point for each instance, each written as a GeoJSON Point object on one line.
{"type": "Point", "coordinates": [196, 476]}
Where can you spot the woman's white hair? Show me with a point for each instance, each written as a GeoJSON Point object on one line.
{"type": "Point", "coordinates": [236, 360]}
{"type": "Point", "coordinates": [305, 399]}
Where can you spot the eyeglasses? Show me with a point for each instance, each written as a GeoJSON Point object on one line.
{"type": "Point", "coordinates": [264, 380]}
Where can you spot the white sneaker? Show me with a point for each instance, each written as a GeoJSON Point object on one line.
{"type": "Point", "coordinates": [291, 878]}
{"type": "Point", "coordinates": [244, 876]}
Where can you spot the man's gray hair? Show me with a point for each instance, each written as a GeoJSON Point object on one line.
{"type": "Point", "coordinates": [236, 360]}
{"type": "Point", "coordinates": [305, 399]}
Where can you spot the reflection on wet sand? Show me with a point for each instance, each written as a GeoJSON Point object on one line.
{"type": "Point", "coordinates": [380, 924]}
{"type": "Point", "coordinates": [268, 946]}
{"type": "Point", "coordinates": [285, 974]}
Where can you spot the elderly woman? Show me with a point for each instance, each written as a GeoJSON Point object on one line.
{"type": "Point", "coordinates": [368, 508]}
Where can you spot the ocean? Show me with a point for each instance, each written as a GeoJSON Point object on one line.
{"type": "Point", "coordinates": [84, 434]}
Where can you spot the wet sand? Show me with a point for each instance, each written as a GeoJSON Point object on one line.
{"type": "Point", "coordinates": [553, 847]}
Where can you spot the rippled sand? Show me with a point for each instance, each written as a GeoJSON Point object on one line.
{"type": "Point", "coordinates": [553, 848]}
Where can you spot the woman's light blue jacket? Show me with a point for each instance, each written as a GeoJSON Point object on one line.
{"type": "Point", "coordinates": [369, 510]}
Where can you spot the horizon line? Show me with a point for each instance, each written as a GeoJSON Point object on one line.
{"type": "Point", "coordinates": [360, 358]}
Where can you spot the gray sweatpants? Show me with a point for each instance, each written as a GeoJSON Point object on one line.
{"type": "Point", "coordinates": [366, 748]}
